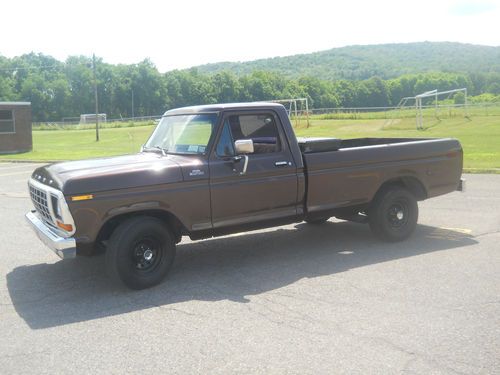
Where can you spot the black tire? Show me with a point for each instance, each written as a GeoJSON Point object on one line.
{"type": "Point", "coordinates": [393, 214]}
{"type": "Point", "coordinates": [317, 221]}
{"type": "Point", "coordinates": [140, 252]}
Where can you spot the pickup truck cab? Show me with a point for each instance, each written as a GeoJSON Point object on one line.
{"type": "Point", "coordinates": [218, 169]}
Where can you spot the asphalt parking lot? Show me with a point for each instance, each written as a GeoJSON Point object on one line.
{"type": "Point", "coordinates": [294, 299]}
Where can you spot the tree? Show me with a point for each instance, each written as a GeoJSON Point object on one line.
{"type": "Point", "coordinates": [58, 89]}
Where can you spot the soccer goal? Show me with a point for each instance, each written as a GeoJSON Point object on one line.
{"type": "Point", "coordinates": [418, 102]}
{"type": "Point", "coordinates": [89, 118]}
{"type": "Point", "coordinates": [297, 109]}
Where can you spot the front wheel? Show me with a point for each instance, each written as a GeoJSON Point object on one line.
{"type": "Point", "coordinates": [393, 214]}
{"type": "Point", "coordinates": [140, 252]}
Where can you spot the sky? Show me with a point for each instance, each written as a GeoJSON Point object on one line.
{"type": "Point", "coordinates": [181, 34]}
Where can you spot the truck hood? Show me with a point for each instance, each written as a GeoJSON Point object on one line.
{"type": "Point", "coordinates": [121, 172]}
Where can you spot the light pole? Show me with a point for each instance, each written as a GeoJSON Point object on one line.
{"type": "Point", "coordinates": [96, 100]}
{"type": "Point", "coordinates": [129, 81]}
{"type": "Point", "coordinates": [132, 88]}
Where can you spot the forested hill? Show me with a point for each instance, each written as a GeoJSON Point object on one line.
{"type": "Point", "coordinates": [383, 60]}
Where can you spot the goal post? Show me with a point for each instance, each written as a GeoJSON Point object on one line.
{"type": "Point", "coordinates": [296, 108]}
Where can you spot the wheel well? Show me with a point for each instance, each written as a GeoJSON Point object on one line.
{"type": "Point", "coordinates": [170, 220]}
{"type": "Point", "coordinates": [411, 183]}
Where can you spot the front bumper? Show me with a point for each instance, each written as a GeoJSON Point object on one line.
{"type": "Point", "coordinates": [65, 248]}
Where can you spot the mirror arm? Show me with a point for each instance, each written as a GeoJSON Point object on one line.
{"type": "Point", "coordinates": [245, 165]}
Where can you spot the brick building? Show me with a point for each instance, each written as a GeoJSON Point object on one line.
{"type": "Point", "coordinates": [15, 127]}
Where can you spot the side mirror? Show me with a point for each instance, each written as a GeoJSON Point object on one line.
{"type": "Point", "coordinates": [243, 146]}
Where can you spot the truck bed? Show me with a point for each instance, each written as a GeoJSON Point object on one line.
{"type": "Point", "coordinates": [351, 174]}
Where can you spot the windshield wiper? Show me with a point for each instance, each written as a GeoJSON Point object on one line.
{"type": "Point", "coordinates": [154, 149]}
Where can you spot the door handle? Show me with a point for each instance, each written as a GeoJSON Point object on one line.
{"type": "Point", "coordinates": [282, 163]}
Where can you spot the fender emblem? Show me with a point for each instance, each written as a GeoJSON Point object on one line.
{"type": "Point", "coordinates": [196, 172]}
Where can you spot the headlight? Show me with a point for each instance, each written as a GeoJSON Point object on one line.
{"type": "Point", "coordinates": [56, 207]}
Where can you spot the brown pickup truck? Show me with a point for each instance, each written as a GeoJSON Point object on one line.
{"type": "Point", "coordinates": [218, 169]}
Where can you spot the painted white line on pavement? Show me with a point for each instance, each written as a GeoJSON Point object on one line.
{"type": "Point", "coordinates": [6, 166]}
{"type": "Point", "coordinates": [15, 173]}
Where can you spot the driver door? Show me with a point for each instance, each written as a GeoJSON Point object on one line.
{"type": "Point", "coordinates": [268, 189]}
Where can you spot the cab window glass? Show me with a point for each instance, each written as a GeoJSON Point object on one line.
{"type": "Point", "coordinates": [260, 128]}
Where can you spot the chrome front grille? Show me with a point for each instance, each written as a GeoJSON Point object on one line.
{"type": "Point", "coordinates": [51, 207]}
{"type": "Point", "coordinates": [40, 201]}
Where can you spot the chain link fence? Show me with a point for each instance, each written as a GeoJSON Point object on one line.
{"type": "Point", "coordinates": [356, 113]}
{"type": "Point", "coordinates": [438, 111]}
{"type": "Point", "coordinates": [73, 123]}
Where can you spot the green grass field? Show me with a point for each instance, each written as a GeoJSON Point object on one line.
{"type": "Point", "coordinates": [81, 144]}
{"type": "Point", "coordinates": [480, 137]}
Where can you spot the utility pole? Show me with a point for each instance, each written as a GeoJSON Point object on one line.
{"type": "Point", "coordinates": [96, 101]}
{"type": "Point", "coordinates": [133, 115]}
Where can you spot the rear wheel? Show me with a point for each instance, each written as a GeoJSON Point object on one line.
{"type": "Point", "coordinates": [140, 252]}
{"type": "Point", "coordinates": [393, 214]}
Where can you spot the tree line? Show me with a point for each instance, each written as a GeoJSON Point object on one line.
{"type": "Point", "coordinates": [60, 90]}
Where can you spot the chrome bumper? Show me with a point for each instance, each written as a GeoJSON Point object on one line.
{"type": "Point", "coordinates": [461, 185]}
{"type": "Point", "coordinates": [64, 247]}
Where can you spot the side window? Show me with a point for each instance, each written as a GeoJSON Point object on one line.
{"type": "Point", "coordinates": [6, 121]}
{"type": "Point", "coordinates": [260, 128]}
{"type": "Point", "coordinates": [225, 147]}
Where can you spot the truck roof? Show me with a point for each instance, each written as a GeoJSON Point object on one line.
{"type": "Point", "coordinates": [221, 107]}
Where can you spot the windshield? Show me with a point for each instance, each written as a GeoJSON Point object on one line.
{"type": "Point", "coordinates": [182, 134]}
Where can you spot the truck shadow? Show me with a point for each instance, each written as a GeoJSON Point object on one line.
{"type": "Point", "coordinates": [229, 268]}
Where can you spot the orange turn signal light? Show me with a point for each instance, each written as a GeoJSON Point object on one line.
{"type": "Point", "coordinates": [66, 227]}
{"type": "Point", "coordinates": [75, 198]}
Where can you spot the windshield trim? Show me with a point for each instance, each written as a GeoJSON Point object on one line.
{"type": "Point", "coordinates": [191, 113]}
